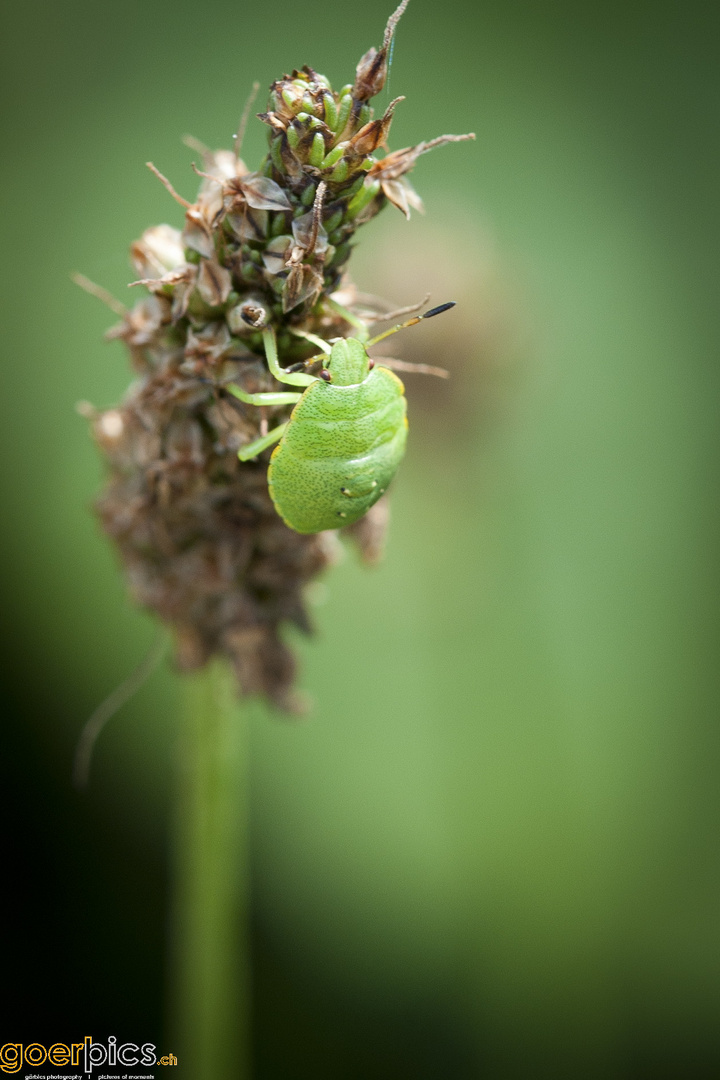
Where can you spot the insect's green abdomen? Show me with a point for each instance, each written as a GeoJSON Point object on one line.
{"type": "Point", "coordinates": [339, 452]}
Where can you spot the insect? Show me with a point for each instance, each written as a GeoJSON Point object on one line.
{"type": "Point", "coordinates": [345, 437]}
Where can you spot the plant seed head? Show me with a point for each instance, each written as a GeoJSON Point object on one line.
{"type": "Point", "coordinates": [197, 532]}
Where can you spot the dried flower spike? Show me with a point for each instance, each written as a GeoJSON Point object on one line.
{"type": "Point", "coordinates": [261, 257]}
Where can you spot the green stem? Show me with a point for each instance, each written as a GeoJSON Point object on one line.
{"type": "Point", "coordinates": [211, 966]}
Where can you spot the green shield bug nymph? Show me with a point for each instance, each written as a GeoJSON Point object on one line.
{"type": "Point", "coordinates": [345, 437]}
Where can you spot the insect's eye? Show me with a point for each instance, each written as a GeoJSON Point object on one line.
{"type": "Point", "coordinates": [371, 365]}
{"type": "Point", "coordinates": [325, 375]}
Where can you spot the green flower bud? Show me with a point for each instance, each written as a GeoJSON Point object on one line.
{"type": "Point", "coordinates": [331, 111]}
{"type": "Point", "coordinates": [333, 157]}
{"type": "Point", "coordinates": [346, 104]}
{"type": "Point", "coordinates": [360, 200]}
{"type": "Point", "coordinates": [354, 187]}
{"type": "Point", "coordinates": [342, 252]}
{"type": "Point", "coordinates": [292, 96]}
{"type": "Point", "coordinates": [340, 172]}
{"type": "Point", "coordinates": [277, 225]}
{"type": "Point", "coordinates": [317, 151]}
{"type": "Point", "coordinates": [331, 223]}
{"type": "Point", "coordinates": [276, 155]}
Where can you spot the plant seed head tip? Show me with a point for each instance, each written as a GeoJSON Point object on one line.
{"type": "Point", "coordinates": [371, 72]}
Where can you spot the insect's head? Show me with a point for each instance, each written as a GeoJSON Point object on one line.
{"type": "Point", "coordinates": [348, 363]}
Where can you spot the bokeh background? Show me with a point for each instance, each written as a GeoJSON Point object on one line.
{"type": "Point", "coordinates": [493, 848]}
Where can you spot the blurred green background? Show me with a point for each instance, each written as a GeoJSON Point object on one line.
{"type": "Point", "coordinates": [493, 848]}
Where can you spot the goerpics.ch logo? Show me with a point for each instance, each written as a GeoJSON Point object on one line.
{"type": "Point", "coordinates": [87, 1055]}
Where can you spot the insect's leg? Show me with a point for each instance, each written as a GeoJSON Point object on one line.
{"type": "Point", "coordinates": [315, 340]}
{"type": "Point", "coordinates": [351, 318]}
{"type": "Point", "coordinates": [270, 398]}
{"type": "Point", "coordinates": [254, 448]}
{"type": "Point", "coordinates": [293, 378]}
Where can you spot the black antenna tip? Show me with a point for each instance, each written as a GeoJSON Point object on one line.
{"type": "Point", "coordinates": [438, 310]}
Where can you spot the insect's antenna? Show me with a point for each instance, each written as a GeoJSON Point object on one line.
{"type": "Point", "coordinates": [244, 119]}
{"type": "Point", "coordinates": [412, 322]}
{"type": "Point", "coordinates": [164, 180]}
{"type": "Point", "coordinates": [112, 703]}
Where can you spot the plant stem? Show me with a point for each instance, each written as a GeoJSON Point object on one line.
{"type": "Point", "coordinates": [211, 967]}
